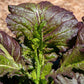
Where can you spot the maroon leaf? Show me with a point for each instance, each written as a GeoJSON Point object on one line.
{"type": "Point", "coordinates": [11, 45]}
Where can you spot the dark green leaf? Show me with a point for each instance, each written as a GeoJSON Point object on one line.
{"type": "Point", "coordinates": [74, 58]}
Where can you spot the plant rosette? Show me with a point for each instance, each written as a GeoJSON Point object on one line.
{"type": "Point", "coordinates": [48, 47]}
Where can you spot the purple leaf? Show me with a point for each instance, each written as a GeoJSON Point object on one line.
{"type": "Point", "coordinates": [11, 45]}
{"type": "Point", "coordinates": [59, 26]}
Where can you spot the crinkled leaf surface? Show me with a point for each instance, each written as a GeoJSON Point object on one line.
{"type": "Point", "coordinates": [11, 45]}
{"type": "Point", "coordinates": [58, 25]}
{"type": "Point", "coordinates": [9, 53]}
{"type": "Point", "coordinates": [74, 58]}
{"type": "Point", "coordinates": [77, 53]}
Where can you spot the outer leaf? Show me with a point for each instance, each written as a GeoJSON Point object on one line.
{"type": "Point", "coordinates": [11, 46]}
{"type": "Point", "coordinates": [58, 25]}
{"type": "Point", "coordinates": [80, 38]}
{"type": "Point", "coordinates": [76, 79]}
{"type": "Point", "coordinates": [77, 54]}
{"type": "Point", "coordinates": [7, 63]}
{"type": "Point", "coordinates": [9, 53]}
{"type": "Point", "coordinates": [74, 59]}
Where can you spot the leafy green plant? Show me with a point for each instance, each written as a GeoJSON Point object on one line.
{"type": "Point", "coordinates": [49, 44]}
